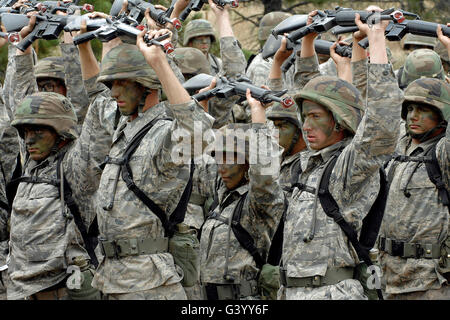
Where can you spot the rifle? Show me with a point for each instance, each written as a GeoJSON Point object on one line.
{"type": "Point", "coordinates": [197, 5]}
{"type": "Point", "coordinates": [7, 3]}
{"type": "Point", "coordinates": [137, 8]}
{"type": "Point", "coordinates": [290, 24]}
{"type": "Point", "coordinates": [127, 33]}
{"type": "Point", "coordinates": [226, 88]}
{"type": "Point", "coordinates": [53, 6]}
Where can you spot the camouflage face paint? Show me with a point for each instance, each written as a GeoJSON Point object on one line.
{"type": "Point", "coordinates": [128, 95]}
{"type": "Point", "coordinates": [39, 141]}
{"type": "Point", "coordinates": [318, 125]}
{"type": "Point", "coordinates": [420, 119]}
{"type": "Point", "coordinates": [286, 131]}
{"type": "Point", "coordinates": [51, 85]}
{"type": "Point", "coordinates": [232, 173]}
{"type": "Point", "coordinates": [203, 43]}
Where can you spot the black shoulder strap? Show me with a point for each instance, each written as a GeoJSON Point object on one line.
{"type": "Point", "coordinates": [242, 235]}
{"type": "Point", "coordinates": [90, 240]}
{"type": "Point", "coordinates": [296, 170]}
{"type": "Point", "coordinates": [435, 175]}
{"type": "Point", "coordinates": [216, 67]}
{"type": "Point", "coordinates": [331, 209]}
{"type": "Point", "coordinates": [276, 246]}
{"type": "Point", "coordinates": [178, 215]}
{"type": "Point", "coordinates": [249, 61]}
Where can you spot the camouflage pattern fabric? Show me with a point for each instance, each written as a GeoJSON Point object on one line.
{"type": "Point", "coordinates": [161, 179]}
{"type": "Point", "coordinates": [414, 39]}
{"type": "Point", "coordinates": [442, 52]}
{"type": "Point", "coordinates": [354, 184]}
{"type": "Point", "coordinates": [359, 76]}
{"type": "Point", "coordinates": [197, 28]}
{"type": "Point", "coordinates": [215, 63]}
{"type": "Point", "coordinates": [423, 218]}
{"type": "Point", "coordinates": [261, 214]}
{"type": "Point", "coordinates": [191, 61]}
{"type": "Point", "coordinates": [305, 70]}
{"type": "Point", "coordinates": [421, 63]}
{"type": "Point", "coordinates": [40, 261]}
{"type": "Point", "coordinates": [328, 68]}
{"type": "Point", "coordinates": [50, 67]}
{"type": "Point", "coordinates": [270, 21]}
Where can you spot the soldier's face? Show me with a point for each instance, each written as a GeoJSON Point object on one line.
{"type": "Point", "coordinates": [203, 43]}
{"type": "Point", "coordinates": [51, 85]}
{"type": "Point", "coordinates": [286, 131]}
{"type": "Point", "coordinates": [232, 173]}
{"type": "Point", "coordinates": [128, 95]}
{"type": "Point", "coordinates": [39, 141]}
{"type": "Point", "coordinates": [421, 118]}
{"type": "Point", "coordinates": [319, 126]}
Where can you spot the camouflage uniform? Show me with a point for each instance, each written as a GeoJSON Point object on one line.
{"type": "Point", "coordinates": [191, 61]}
{"type": "Point", "coordinates": [354, 182]}
{"type": "Point", "coordinates": [328, 68]}
{"type": "Point", "coordinates": [443, 53]}
{"type": "Point", "coordinates": [201, 27]}
{"type": "Point", "coordinates": [414, 212]}
{"type": "Point", "coordinates": [224, 262]}
{"type": "Point", "coordinates": [40, 261]}
{"type": "Point", "coordinates": [421, 63]}
{"type": "Point", "coordinates": [156, 173]}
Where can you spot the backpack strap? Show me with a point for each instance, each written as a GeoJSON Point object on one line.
{"type": "Point", "coordinates": [435, 175]}
{"type": "Point", "coordinates": [127, 175]}
{"type": "Point", "coordinates": [331, 209]}
{"type": "Point", "coordinates": [90, 239]}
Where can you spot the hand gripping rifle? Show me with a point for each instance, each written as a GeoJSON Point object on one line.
{"type": "Point", "coordinates": [136, 11]}
{"type": "Point", "coordinates": [226, 88]}
{"type": "Point", "coordinates": [197, 5]}
{"type": "Point", "coordinates": [53, 6]}
{"type": "Point", "coordinates": [127, 33]}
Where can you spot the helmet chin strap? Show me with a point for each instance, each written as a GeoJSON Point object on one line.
{"type": "Point", "coordinates": [426, 135]}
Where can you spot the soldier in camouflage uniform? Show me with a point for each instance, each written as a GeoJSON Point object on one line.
{"type": "Point", "coordinates": [249, 195]}
{"type": "Point", "coordinates": [191, 62]}
{"type": "Point", "coordinates": [317, 260]}
{"type": "Point", "coordinates": [199, 34]}
{"type": "Point", "coordinates": [414, 237]}
{"type": "Point", "coordinates": [259, 69]}
{"type": "Point", "coordinates": [420, 63]}
{"type": "Point", "coordinates": [413, 42]}
{"type": "Point", "coordinates": [48, 124]}
{"type": "Point", "coordinates": [136, 78]}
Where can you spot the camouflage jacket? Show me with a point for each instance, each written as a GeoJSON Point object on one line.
{"type": "Point", "coordinates": [216, 64]}
{"type": "Point", "coordinates": [305, 70]}
{"type": "Point", "coordinates": [420, 218]}
{"type": "Point", "coordinates": [158, 174]}
{"type": "Point", "coordinates": [262, 211]}
{"type": "Point", "coordinates": [290, 167]}
{"type": "Point", "coordinates": [354, 184]}
{"type": "Point", "coordinates": [259, 69]}
{"type": "Point", "coordinates": [44, 239]}
{"type": "Point", "coordinates": [328, 68]}
{"type": "Point", "coordinates": [359, 76]}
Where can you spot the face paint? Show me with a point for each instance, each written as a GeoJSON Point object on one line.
{"type": "Point", "coordinates": [51, 85]}
{"type": "Point", "coordinates": [128, 95]}
{"type": "Point", "coordinates": [39, 141]}
{"type": "Point", "coordinates": [319, 126]}
{"type": "Point", "coordinates": [287, 133]}
{"type": "Point", "coordinates": [420, 119]}
{"type": "Point", "coordinates": [232, 173]}
{"type": "Point", "coordinates": [203, 43]}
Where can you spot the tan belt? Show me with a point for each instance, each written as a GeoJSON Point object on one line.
{"type": "Point", "coordinates": [332, 276]}
{"type": "Point", "coordinates": [133, 247]}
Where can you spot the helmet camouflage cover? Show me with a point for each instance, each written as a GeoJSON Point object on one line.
{"type": "Point", "coordinates": [47, 109]}
{"type": "Point", "coordinates": [191, 61]}
{"type": "Point", "coordinates": [414, 39]}
{"type": "Point", "coordinates": [278, 112]}
{"type": "Point", "coordinates": [126, 62]}
{"type": "Point", "coordinates": [198, 28]}
{"type": "Point", "coordinates": [421, 63]}
{"type": "Point", "coordinates": [50, 67]}
{"type": "Point", "coordinates": [428, 91]}
{"type": "Point", "coordinates": [268, 22]}
{"type": "Point", "coordinates": [340, 97]}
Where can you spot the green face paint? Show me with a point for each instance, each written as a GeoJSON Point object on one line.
{"type": "Point", "coordinates": [420, 119]}
{"type": "Point", "coordinates": [318, 125]}
{"type": "Point", "coordinates": [232, 173]}
{"type": "Point", "coordinates": [128, 95]}
{"type": "Point", "coordinates": [39, 141]}
{"type": "Point", "coordinates": [286, 131]}
{"type": "Point", "coordinates": [203, 43]}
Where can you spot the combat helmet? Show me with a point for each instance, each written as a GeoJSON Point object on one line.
{"type": "Point", "coordinates": [416, 40]}
{"type": "Point", "coordinates": [429, 91]}
{"type": "Point", "coordinates": [126, 62]}
{"type": "Point", "coordinates": [421, 63]}
{"type": "Point", "coordinates": [47, 109]}
{"type": "Point", "coordinates": [191, 61]}
{"type": "Point", "coordinates": [198, 28]}
{"type": "Point", "coordinates": [50, 67]}
{"type": "Point", "coordinates": [268, 22]}
{"type": "Point", "coordinates": [340, 97]}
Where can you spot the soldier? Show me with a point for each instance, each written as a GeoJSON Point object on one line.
{"type": "Point", "coordinates": [248, 205]}
{"type": "Point", "coordinates": [317, 260]}
{"type": "Point", "coordinates": [258, 70]}
{"type": "Point", "coordinates": [441, 50]}
{"type": "Point", "coordinates": [133, 238]}
{"type": "Point", "coordinates": [413, 42]}
{"type": "Point", "coordinates": [420, 63]}
{"type": "Point", "coordinates": [191, 62]}
{"type": "Point", "coordinates": [199, 34]}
